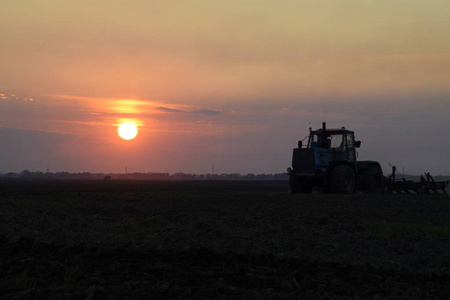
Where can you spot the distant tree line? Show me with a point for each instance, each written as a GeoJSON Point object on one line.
{"type": "Point", "coordinates": [142, 176]}
{"type": "Point", "coordinates": [166, 176]}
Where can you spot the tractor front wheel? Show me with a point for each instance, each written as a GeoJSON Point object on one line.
{"type": "Point", "coordinates": [294, 184]}
{"type": "Point", "coordinates": [343, 180]}
{"type": "Point", "coordinates": [297, 186]}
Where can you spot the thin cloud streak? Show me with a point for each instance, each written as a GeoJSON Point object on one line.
{"type": "Point", "coordinates": [170, 110]}
{"type": "Point", "coordinates": [208, 112]}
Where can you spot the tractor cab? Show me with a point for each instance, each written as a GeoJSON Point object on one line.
{"type": "Point", "coordinates": [337, 144]}
{"type": "Point", "coordinates": [325, 149]}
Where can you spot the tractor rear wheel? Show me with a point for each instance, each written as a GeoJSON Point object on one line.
{"type": "Point", "coordinates": [343, 180]}
{"type": "Point", "coordinates": [373, 180]}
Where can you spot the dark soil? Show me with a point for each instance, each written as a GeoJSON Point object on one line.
{"type": "Point", "coordinates": [218, 240]}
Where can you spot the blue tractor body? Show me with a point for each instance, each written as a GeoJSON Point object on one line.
{"type": "Point", "coordinates": [329, 163]}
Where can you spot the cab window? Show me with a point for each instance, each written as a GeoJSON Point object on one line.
{"type": "Point", "coordinates": [350, 141]}
{"type": "Point", "coordinates": [313, 141]}
{"type": "Point", "coordinates": [338, 142]}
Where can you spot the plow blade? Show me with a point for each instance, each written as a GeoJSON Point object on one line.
{"type": "Point", "coordinates": [426, 185]}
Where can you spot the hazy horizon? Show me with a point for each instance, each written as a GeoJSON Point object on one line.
{"type": "Point", "coordinates": [234, 84]}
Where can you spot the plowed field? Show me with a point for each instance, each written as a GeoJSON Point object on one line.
{"type": "Point", "coordinates": [218, 240]}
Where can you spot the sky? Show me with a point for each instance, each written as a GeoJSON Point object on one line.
{"type": "Point", "coordinates": [229, 84]}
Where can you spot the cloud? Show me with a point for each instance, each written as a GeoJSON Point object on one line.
{"type": "Point", "coordinates": [209, 112]}
{"type": "Point", "coordinates": [171, 110]}
{"type": "Point", "coordinates": [4, 96]}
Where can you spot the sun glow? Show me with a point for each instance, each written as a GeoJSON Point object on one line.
{"type": "Point", "coordinates": [127, 131]}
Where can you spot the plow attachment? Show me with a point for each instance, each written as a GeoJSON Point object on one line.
{"type": "Point", "coordinates": [426, 185]}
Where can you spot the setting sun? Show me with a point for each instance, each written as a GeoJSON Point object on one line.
{"type": "Point", "coordinates": [127, 131]}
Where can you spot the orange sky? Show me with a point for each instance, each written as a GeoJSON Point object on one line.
{"type": "Point", "coordinates": [227, 83]}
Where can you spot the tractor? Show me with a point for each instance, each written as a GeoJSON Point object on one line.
{"type": "Point", "coordinates": [328, 163]}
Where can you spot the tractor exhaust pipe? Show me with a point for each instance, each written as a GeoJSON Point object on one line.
{"type": "Point", "coordinates": [324, 139]}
